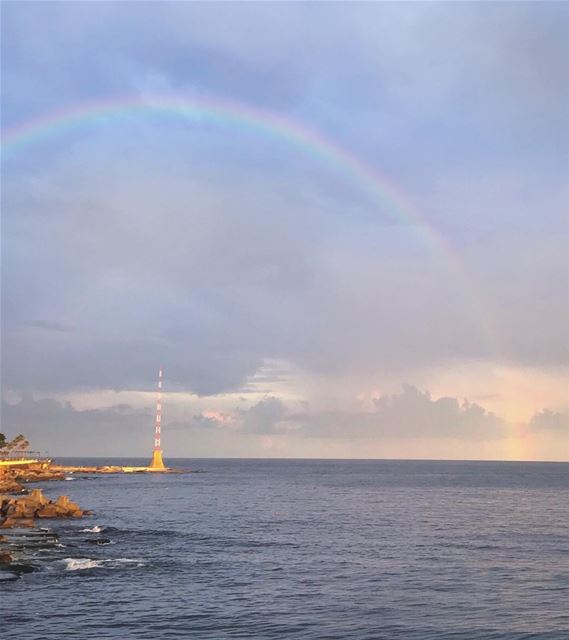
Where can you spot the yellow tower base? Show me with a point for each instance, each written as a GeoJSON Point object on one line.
{"type": "Point", "coordinates": [157, 463]}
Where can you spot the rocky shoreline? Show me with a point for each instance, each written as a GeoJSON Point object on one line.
{"type": "Point", "coordinates": [21, 511]}
{"type": "Point", "coordinates": [24, 513]}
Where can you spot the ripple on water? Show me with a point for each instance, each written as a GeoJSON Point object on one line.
{"type": "Point", "coordinates": [360, 551]}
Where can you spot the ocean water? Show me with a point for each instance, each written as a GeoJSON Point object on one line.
{"type": "Point", "coordinates": [304, 549]}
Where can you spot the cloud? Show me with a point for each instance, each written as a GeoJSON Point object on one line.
{"type": "Point", "coordinates": [552, 421]}
{"type": "Point", "coordinates": [205, 419]}
{"type": "Point", "coordinates": [265, 417]}
{"type": "Point", "coordinates": [51, 426]}
{"type": "Point", "coordinates": [150, 264]}
{"type": "Point", "coordinates": [213, 248]}
{"type": "Point", "coordinates": [409, 414]}
{"type": "Point", "coordinates": [414, 412]}
{"type": "Point", "coordinates": [410, 421]}
{"type": "Point", "coordinates": [51, 326]}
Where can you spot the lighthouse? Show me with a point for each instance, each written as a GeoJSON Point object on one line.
{"type": "Point", "coordinates": [157, 463]}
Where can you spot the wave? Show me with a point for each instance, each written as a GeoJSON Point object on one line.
{"type": "Point", "coordinates": [77, 564]}
{"type": "Point", "coordinates": [81, 564]}
{"type": "Point", "coordinates": [95, 529]}
{"type": "Point", "coordinates": [8, 576]}
{"type": "Point", "coordinates": [115, 562]}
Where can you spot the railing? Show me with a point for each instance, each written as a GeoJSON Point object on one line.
{"type": "Point", "coordinates": [14, 456]}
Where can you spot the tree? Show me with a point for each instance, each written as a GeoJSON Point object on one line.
{"type": "Point", "coordinates": [19, 443]}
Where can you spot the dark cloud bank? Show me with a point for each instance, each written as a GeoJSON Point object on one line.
{"type": "Point", "coordinates": [51, 425]}
{"type": "Point", "coordinates": [409, 414]}
{"type": "Point", "coordinates": [548, 420]}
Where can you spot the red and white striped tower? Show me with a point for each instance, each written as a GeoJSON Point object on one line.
{"type": "Point", "coordinates": [157, 462]}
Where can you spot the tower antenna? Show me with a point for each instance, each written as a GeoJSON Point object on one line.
{"type": "Point", "coordinates": [157, 463]}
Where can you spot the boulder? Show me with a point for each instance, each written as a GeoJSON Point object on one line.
{"type": "Point", "coordinates": [65, 504]}
{"type": "Point", "coordinates": [36, 505]}
{"type": "Point", "coordinates": [18, 508]}
{"type": "Point", "coordinates": [11, 523]}
{"type": "Point", "coordinates": [9, 485]}
{"type": "Point", "coordinates": [61, 508]}
{"type": "Point", "coordinates": [36, 496]}
{"type": "Point", "coordinates": [48, 511]}
{"type": "Point", "coordinates": [99, 541]}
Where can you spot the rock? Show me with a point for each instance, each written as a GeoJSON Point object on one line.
{"type": "Point", "coordinates": [23, 568]}
{"type": "Point", "coordinates": [62, 501]}
{"type": "Point", "coordinates": [61, 508]}
{"type": "Point", "coordinates": [36, 496]}
{"type": "Point", "coordinates": [10, 523]}
{"type": "Point", "coordinates": [99, 541]}
{"type": "Point", "coordinates": [9, 485]}
{"type": "Point", "coordinates": [18, 507]}
{"type": "Point", "coordinates": [5, 557]}
{"type": "Point", "coordinates": [48, 511]}
{"type": "Point", "coordinates": [6, 576]}
{"type": "Point", "coordinates": [21, 511]}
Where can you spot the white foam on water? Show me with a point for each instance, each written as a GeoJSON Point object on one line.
{"type": "Point", "coordinates": [95, 529]}
{"type": "Point", "coordinates": [70, 478]}
{"type": "Point", "coordinates": [120, 561]}
{"type": "Point", "coordinates": [78, 564]}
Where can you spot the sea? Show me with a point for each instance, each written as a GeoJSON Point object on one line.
{"type": "Point", "coordinates": [302, 549]}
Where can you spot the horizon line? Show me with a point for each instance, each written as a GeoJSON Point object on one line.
{"type": "Point", "coordinates": [143, 457]}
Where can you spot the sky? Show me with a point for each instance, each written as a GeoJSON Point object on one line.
{"type": "Point", "coordinates": [342, 229]}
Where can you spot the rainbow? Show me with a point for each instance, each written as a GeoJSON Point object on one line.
{"type": "Point", "coordinates": [258, 121]}
{"type": "Point", "coordinates": [225, 113]}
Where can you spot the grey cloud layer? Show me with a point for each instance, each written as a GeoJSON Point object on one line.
{"type": "Point", "coordinates": [211, 249]}
{"type": "Point", "coordinates": [548, 420]}
{"type": "Point", "coordinates": [54, 426]}
{"type": "Point", "coordinates": [291, 51]}
{"type": "Point", "coordinates": [210, 277]}
{"type": "Point", "coordinates": [409, 414]}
